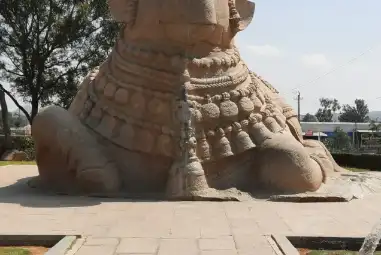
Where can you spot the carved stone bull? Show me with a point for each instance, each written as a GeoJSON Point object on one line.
{"type": "Point", "coordinates": [174, 108]}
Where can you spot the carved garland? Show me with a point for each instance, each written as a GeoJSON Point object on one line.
{"type": "Point", "coordinates": [211, 144]}
{"type": "Point", "coordinates": [231, 58]}
{"type": "Point", "coordinates": [260, 116]}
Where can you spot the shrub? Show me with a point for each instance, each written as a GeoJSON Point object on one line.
{"type": "Point", "coordinates": [26, 144]}
{"type": "Point", "coordinates": [363, 161]}
{"type": "Point", "coordinates": [22, 143]}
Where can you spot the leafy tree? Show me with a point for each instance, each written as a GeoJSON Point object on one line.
{"type": "Point", "coordinates": [15, 119]}
{"type": "Point", "coordinates": [47, 46]}
{"type": "Point", "coordinates": [328, 142]}
{"type": "Point", "coordinates": [310, 118]}
{"type": "Point", "coordinates": [357, 113]}
{"type": "Point", "coordinates": [339, 140]}
{"type": "Point", "coordinates": [374, 125]}
{"type": "Point", "coordinates": [18, 120]}
{"type": "Point", "coordinates": [327, 109]}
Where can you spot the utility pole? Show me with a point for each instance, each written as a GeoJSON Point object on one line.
{"type": "Point", "coordinates": [298, 98]}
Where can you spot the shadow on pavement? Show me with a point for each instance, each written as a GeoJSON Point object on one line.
{"type": "Point", "coordinates": [21, 193]}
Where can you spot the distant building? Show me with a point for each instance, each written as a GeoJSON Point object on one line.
{"type": "Point", "coordinates": [329, 127]}
{"type": "Point", "coordinates": [24, 131]}
{"type": "Point", "coordinates": [360, 133]}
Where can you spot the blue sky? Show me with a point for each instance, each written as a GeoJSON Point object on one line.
{"type": "Point", "coordinates": [292, 43]}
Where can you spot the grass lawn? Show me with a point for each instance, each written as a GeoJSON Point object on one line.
{"type": "Point", "coordinates": [6, 163]}
{"type": "Point", "coordinates": [14, 251]}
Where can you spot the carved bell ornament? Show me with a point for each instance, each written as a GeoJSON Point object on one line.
{"type": "Point", "coordinates": [229, 110]}
{"type": "Point", "coordinates": [210, 111]}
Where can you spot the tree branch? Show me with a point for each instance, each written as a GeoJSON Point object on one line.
{"type": "Point", "coordinates": [12, 72]}
{"type": "Point", "coordinates": [44, 88]}
{"type": "Point", "coordinates": [13, 61]}
{"type": "Point", "coordinates": [48, 23]}
{"type": "Point", "coordinates": [9, 94]}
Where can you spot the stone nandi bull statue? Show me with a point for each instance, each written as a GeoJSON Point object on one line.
{"type": "Point", "coordinates": [175, 109]}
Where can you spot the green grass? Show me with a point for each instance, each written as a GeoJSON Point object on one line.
{"type": "Point", "coordinates": [337, 253]}
{"type": "Point", "coordinates": [14, 251]}
{"type": "Point", "coordinates": [7, 163]}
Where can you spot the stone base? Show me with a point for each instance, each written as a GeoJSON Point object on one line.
{"type": "Point", "coordinates": [341, 188]}
{"type": "Point", "coordinates": [216, 195]}
{"type": "Point", "coordinates": [204, 195]}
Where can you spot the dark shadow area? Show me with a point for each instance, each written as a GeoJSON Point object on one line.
{"type": "Point", "coordinates": [21, 193]}
{"type": "Point", "coordinates": [30, 240]}
{"type": "Point", "coordinates": [328, 243]}
{"type": "Point", "coordinates": [294, 198]}
{"type": "Point", "coordinates": [49, 244]}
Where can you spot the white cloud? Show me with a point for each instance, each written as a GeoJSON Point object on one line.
{"type": "Point", "coordinates": [316, 60]}
{"type": "Point", "coordinates": [265, 50]}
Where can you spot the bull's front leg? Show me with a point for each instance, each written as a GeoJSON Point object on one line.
{"type": "Point", "coordinates": [68, 156]}
{"type": "Point", "coordinates": [285, 164]}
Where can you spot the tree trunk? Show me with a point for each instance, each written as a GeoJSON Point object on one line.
{"type": "Point", "coordinates": [4, 114]}
{"type": "Point", "coordinates": [26, 113]}
{"type": "Point", "coordinates": [34, 110]}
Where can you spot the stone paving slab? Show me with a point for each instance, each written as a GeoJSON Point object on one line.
{"type": "Point", "coordinates": [113, 226]}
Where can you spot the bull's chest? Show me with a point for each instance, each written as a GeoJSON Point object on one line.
{"type": "Point", "coordinates": [134, 112]}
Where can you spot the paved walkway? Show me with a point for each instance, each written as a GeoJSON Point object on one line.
{"type": "Point", "coordinates": [181, 228]}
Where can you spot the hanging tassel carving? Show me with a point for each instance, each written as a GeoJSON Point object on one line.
{"type": "Point", "coordinates": [258, 131]}
{"type": "Point", "coordinates": [242, 140]}
{"type": "Point", "coordinates": [203, 148]}
{"type": "Point", "coordinates": [222, 145]}
{"type": "Point", "coordinates": [195, 179]}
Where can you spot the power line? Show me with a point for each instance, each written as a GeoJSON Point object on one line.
{"type": "Point", "coordinates": [350, 61]}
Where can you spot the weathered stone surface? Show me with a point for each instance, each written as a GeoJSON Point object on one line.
{"type": "Point", "coordinates": [339, 188]}
{"type": "Point", "coordinates": [175, 109]}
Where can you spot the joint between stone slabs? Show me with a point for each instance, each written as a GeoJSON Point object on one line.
{"type": "Point", "coordinates": [63, 246]}
{"type": "Point", "coordinates": [100, 240]}
{"type": "Point", "coordinates": [282, 245]}
{"type": "Point", "coordinates": [78, 243]}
